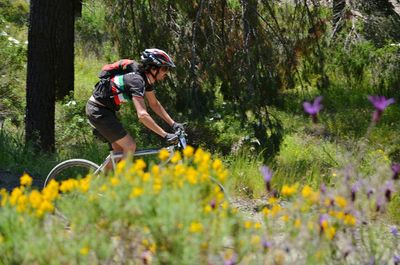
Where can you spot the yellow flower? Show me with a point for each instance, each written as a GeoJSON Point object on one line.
{"type": "Point", "coordinates": [307, 191]}
{"type": "Point", "coordinates": [248, 224]}
{"type": "Point", "coordinates": [26, 180]}
{"type": "Point", "coordinates": [288, 190]}
{"type": "Point", "coordinates": [120, 166]}
{"type": "Point", "coordinates": [136, 192]}
{"type": "Point", "coordinates": [46, 206]}
{"type": "Point", "coordinates": [207, 208]}
{"type": "Point", "coordinates": [222, 174]}
{"type": "Point", "coordinates": [285, 218]}
{"type": "Point", "coordinates": [15, 194]}
{"type": "Point", "coordinates": [330, 232]}
{"type": "Point", "coordinates": [340, 201]}
{"type": "Point", "coordinates": [217, 164]}
{"type": "Point", "coordinates": [297, 223]}
{"type": "Point", "coordinates": [84, 251]}
{"type": "Point", "coordinates": [155, 170]}
{"type": "Point", "coordinates": [257, 225]}
{"type": "Point", "coordinates": [114, 181]}
{"type": "Point", "coordinates": [139, 165]}
{"type": "Point", "coordinates": [255, 240]}
{"type": "Point", "coordinates": [188, 151]}
{"type": "Point", "coordinates": [195, 227]}
{"type": "Point", "coordinates": [35, 198]}
{"type": "Point", "coordinates": [176, 158]}
{"type": "Point", "coordinates": [68, 185]}
{"type": "Point", "coordinates": [191, 175]}
{"type": "Point", "coordinates": [164, 154]}
{"type": "Point", "coordinates": [198, 155]}
{"type": "Point", "coordinates": [84, 184]}
{"type": "Point", "coordinates": [22, 202]}
{"type": "Point", "coordinates": [4, 196]}
{"type": "Point", "coordinates": [350, 220]}
{"type": "Point", "coordinates": [50, 192]}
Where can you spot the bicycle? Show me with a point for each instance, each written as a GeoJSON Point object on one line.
{"type": "Point", "coordinates": [81, 167]}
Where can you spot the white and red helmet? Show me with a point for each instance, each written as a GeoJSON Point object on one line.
{"type": "Point", "coordinates": [156, 57]}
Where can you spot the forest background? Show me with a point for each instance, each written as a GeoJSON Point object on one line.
{"type": "Point", "coordinates": [244, 68]}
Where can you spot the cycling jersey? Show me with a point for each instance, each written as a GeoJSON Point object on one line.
{"type": "Point", "coordinates": [120, 89]}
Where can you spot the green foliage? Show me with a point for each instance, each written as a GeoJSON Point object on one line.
{"type": "Point", "coordinates": [12, 65]}
{"type": "Point", "coordinates": [14, 11]}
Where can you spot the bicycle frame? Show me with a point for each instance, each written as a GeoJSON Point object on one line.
{"type": "Point", "coordinates": [114, 157]}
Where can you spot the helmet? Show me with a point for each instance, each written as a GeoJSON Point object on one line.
{"type": "Point", "coordinates": [156, 57]}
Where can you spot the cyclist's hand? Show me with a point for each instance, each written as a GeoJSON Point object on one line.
{"type": "Point", "coordinates": [178, 126]}
{"type": "Point", "coordinates": [171, 138]}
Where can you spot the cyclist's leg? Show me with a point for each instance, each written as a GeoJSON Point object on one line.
{"type": "Point", "coordinates": [125, 144]}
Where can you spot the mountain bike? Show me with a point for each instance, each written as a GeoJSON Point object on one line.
{"type": "Point", "coordinates": [78, 167]}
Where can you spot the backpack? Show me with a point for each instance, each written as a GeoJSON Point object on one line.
{"type": "Point", "coordinates": [118, 68]}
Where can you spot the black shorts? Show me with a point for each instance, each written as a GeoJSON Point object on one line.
{"type": "Point", "coordinates": [105, 121]}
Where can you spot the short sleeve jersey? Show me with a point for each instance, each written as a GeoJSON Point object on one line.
{"type": "Point", "coordinates": [122, 88]}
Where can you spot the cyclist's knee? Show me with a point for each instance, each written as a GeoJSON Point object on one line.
{"type": "Point", "coordinates": [129, 147]}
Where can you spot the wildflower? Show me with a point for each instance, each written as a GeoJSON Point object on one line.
{"type": "Point", "coordinates": [213, 204]}
{"type": "Point", "coordinates": [188, 151]}
{"type": "Point", "coordinates": [350, 220]}
{"type": "Point", "coordinates": [266, 244]}
{"type": "Point", "coordinates": [255, 239]}
{"type": "Point", "coordinates": [340, 201]}
{"type": "Point", "coordinates": [289, 190]}
{"type": "Point", "coordinates": [389, 190]}
{"type": "Point", "coordinates": [176, 158]}
{"type": "Point", "coordinates": [26, 180]}
{"type": "Point", "coordinates": [267, 174]}
{"type": "Point", "coordinates": [297, 223]}
{"type": "Point", "coordinates": [114, 181]}
{"type": "Point", "coordinates": [230, 258]}
{"type": "Point", "coordinates": [136, 192]}
{"type": "Point", "coordinates": [323, 222]}
{"type": "Point", "coordinates": [354, 190]}
{"type": "Point", "coordinates": [195, 227]}
{"type": "Point", "coordinates": [380, 103]}
{"type": "Point", "coordinates": [396, 259]}
{"type": "Point", "coordinates": [248, 224]}
{"type": "Point", "coordinates": [146, 257]}
{"type": "Point", "coordinates": [217, 164]}
{"type": "Point", "coordinates": [139, 165]}
{"type": "Point", "coordinates": [323, 188]}
{"type": "Point", "coordinates": [313, 108]}
{"type": "Point", "coordinates": [84, 251]}
{"type": "Point", "coordinates": [394, 231]}
{"type": "Point", "coordinates": [68, 185]}
{"type": "Point", "coordinates": [164, 154]}
{"type": "Point", "coordinates": [396, 171]}
{"type": "Point", "coordinates": [35, 198]}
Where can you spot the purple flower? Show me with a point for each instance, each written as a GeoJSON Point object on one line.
{"type": "Point", "coordinates": [354, 190]}
{"type": "Point", "coordinates": [389, 189]}
{"type": "Point", "coordinates": [313, 108]}
{"type": "Point", "coordinates": [394, 231]}
{"type": "Point", "coordinates": [266, 244]}
{"type": "Point", "coordinates": [396, 171]}
{"type": "Point", "coordinates": [267, 174]}
{"type": "Point", "coordinates": [380, 103]}
{"type": "Point", "coordinates": [232, 260]}
{"type": "Point", "coordinates": [213, 204]}
{"type": "Point", "coordinates": [396, 259]}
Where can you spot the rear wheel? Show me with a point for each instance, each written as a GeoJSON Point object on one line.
{"type": "Point", "coordinates": [73, 168]}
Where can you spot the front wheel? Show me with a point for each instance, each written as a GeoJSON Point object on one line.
{"type": "Point", "coordinates": [73, 168]}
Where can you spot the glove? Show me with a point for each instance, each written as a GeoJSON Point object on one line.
{"type": "Point", "coordinates": [171, 138]}
{"type": "Point", "coordinates": [177, 126]}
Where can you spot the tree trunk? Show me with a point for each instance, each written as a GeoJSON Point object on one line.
{"type": "Point", "coordinates": [49, 31]}
{"type": "Point", "coordinates": [65, 48]}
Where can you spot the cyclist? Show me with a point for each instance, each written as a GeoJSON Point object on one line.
{"type": "Point", "coordinates": [133, 86]}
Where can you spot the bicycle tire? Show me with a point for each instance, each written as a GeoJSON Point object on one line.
{"type": "Point", "coordinates": [82, 164]}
